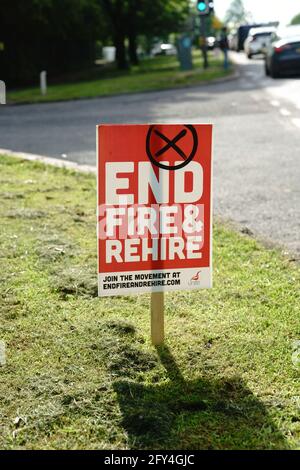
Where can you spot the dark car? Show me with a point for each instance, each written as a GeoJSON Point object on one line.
{"type": "Point", "coordinates": [283, 53]}
{"type": "Point", "coordinates": [242, 34]}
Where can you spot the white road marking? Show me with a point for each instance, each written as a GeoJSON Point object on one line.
{"type": "Point", "coordinates": [285, 112]}
{"type": "Point", "coordinates": [296, 121]}
{"type": "Point", "coordinates": [275, 103]}
{"type": "Point", "coordinates": [289, 90]}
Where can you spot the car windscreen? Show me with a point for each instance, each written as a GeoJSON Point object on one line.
{"type": "Point", "coordinates": [262, 35]}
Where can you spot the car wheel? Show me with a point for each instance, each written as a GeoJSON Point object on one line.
{"type": "Point", "coordinates": [274, 73]}
{"type": "Point", "coordinates": [249, 56]}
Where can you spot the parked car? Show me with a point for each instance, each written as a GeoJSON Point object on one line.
{"type": "Point", "coordinates": [257, 40]}
{"type": "Point", "coordinates": [243, 31]}
{"type": "Point", "coordinates": [283, 52]}
{"type": "Point", "coordinates": [164, 49]}
{"type": "Point", "coordinates": [242, 34]}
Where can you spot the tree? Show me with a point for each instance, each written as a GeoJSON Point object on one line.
{"type": "Point", "coordinates": [56, 35]}
{"type": "Point", "coordinates": [296, 19]}
{"type": "Point", "coordinates": [60, 35]}
{"type": "Point", "coordinates": [131, 18]}
{"type": "Point", "coordinates": [161, 17]}
{"type": "Point", "coordinates": [217, 24]}
{"type": "Point", "coordinates": [116, 15]}
{"type": "Point", "coordinates": [236, 13]}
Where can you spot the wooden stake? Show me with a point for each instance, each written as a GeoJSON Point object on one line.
{"type": "Point", "coordinates": [157, 318]}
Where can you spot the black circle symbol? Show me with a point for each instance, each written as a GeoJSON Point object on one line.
{"type": "Point", "coordinates": [171, 143]}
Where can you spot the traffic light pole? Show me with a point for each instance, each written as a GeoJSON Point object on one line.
{"type": "Point", "coordinates": [203, 40]}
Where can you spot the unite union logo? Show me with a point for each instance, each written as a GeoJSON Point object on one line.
{"type": "Point", "coordinates": [196, 279]}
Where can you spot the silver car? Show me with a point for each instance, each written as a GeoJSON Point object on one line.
{"type": "Point", "coordinates": [257, 40]}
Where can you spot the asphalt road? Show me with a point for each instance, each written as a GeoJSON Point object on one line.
{"type": "Point", "coordinates": [256, 141]}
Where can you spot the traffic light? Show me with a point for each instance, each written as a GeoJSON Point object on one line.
{"type": "Point", "coordinates": [204, 7]}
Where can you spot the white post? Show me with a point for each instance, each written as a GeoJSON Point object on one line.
{"type": "Point", "coordinates": [43, 82]}
{"type": "Point", "coordinates": [2, 92]}
{"type": "Point", "coordinates": [2, 354]}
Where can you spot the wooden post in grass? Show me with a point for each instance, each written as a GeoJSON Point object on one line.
{"type": "Point", "coordinates": [157, 318]}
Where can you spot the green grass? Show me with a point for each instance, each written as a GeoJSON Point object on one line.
{"type": "Point", "coordinates": [153, 74]}
{"type": "Point", "coordinates": [81, 372]}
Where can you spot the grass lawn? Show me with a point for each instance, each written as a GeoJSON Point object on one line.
{"type": "Point", "coordinates": [153, 74]}
{"type": "Point", "coordinates": [81, 372]}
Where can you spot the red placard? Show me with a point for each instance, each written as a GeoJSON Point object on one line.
{"type": "Point", "coordinates": [154, 208]}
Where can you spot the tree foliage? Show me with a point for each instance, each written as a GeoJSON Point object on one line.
{"type": "Point", "coordinates": [60, 35]}
{"type": "Point", "coordinates": [296, 19]}
{"type": "Point", "coordinates": [57, 35]}
{"type": "Point", "coordinates": [131, 18]}
{"type": "Point", "coordinates": [236, 13]}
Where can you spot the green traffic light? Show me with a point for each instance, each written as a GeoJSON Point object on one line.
{"type": "Point", "coordinates": [201, 6]}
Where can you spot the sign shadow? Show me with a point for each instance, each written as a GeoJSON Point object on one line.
{"type": "Point", "coordinates": [218, 413]}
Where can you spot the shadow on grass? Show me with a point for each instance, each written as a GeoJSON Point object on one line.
{"type": "Point", "coordinates": [199, 414]}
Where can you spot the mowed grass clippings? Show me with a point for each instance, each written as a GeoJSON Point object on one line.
{"type": "Point", "coordinates": [81, 372]}
{"type": "Point", "coordinates": [157, 73]}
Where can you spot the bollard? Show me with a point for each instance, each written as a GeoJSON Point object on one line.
{"type": "Point", "coordinates": [2, 92]}
{"type": "Point", "coordinates": [43, 82]}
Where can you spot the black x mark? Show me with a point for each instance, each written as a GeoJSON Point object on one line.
{"type": "Point", "coordinates": [171, 143]}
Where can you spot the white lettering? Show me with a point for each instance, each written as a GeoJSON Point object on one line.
{"type": "Point", "coordinates": [176, 248]}
{"type": "Point", "coordinates": [147, 179]}
{"type": "Point", "coordinates": [131, 250]}
{"type": "Point", "coordinates": [167, 220]}
{"type": "Point", "coordinates": [113, 250]}
{"type": "Point", "coordinates": [193, 247]}
{"type": "Point", "coordinates": [113, 183]}
{"type": "Point", "coordinates": [182, 196]}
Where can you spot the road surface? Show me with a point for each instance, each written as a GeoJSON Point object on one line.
{"type": "Point", "coordinates": [256, 141]}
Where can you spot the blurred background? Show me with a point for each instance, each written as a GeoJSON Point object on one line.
{"type": "Point", "coordinates": [74, 40]}
{"type": "Point", "coordinates": [55, 55]}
